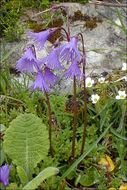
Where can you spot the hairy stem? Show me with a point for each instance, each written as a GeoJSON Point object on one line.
{"type": "Point", "coordinates": [74, 124]}
{"type": "Point", "coordinates": [50, 123]}
{"type": "Point", "coordinates": [85, 97]}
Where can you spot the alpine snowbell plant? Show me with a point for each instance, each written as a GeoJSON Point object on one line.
{"type": "Point", "coordinates": [43, 69]}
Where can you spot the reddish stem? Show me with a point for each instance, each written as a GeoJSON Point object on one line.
{"type": "Point", "coordinates": [74, 124]}
{"type": "Point", "coordinates": [85, 96]}
{"type": "Point", "coordinates": [50, 123]}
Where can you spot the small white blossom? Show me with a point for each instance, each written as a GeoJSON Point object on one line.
{"type": "Point", "coordinates": [89, 82]}
{"type": "Point", "coordinates": [121, 95]}
{"type": "Point", "coordinates": [95, 98]}
{"type": "Point", "coordinates": [124, 66]}
{"type": "Point", "coordinates": [101, 80]}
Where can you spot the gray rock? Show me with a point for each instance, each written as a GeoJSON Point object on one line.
{"type": "Point", "coordinates": [101, 42]}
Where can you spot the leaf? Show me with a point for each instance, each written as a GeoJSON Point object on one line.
{"type": "Point", "coordinates": [26, 141]}
{"type": "Point", "coordinates": [118, 135]}
{"type": "Point", "coordinates": [46, 173]}
{"type": "Point", "coordinates": [22, 175]}
{"type": "Point", "coordinates": [90, 178]}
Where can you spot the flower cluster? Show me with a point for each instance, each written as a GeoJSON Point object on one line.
{"type": "Point", "coordinates": [43, 68]}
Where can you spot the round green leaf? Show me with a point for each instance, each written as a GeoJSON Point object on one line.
{"type": "Point", "coordinates": [26, 141]}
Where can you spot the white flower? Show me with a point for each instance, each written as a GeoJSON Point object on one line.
{"type": "Point", "coordinates": [121, 95]}
{"type": "Point", "coordinates": [89, 82]}
{"type": "Point", "coordinates": [101, 80]}
{"type": "Point", "coordinates": [124, 66]}
{"type": "Point", "coordinates": [95, 98]}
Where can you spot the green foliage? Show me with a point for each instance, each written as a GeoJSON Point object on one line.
{"type": "Point", "coordinates": [22, 175]}
{"type": "Point", "coordinates": [90, 178]}
{"type": "Point", "coordinates": [46, 173]}
{"type": "Point", "coordinates": [26, 142]}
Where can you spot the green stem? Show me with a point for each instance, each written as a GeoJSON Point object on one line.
{"type": "Point", "coordinates": [74, 124]}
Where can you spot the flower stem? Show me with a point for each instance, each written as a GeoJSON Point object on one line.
{"type": "Point", "coordinates": [85, 97]}
{"type": "Point", "coordinates": [50, 123]}
{"type": "Point", "coordinates": [74, 124]}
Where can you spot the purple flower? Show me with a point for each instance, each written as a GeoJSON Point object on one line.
{"type": "Point", "coordinates": [49, 77]}
{"type": "Point", "coordinates": [73, 71]}
{"type": "Point", "coordinates": [4, 174]}
{"type": "Point", "coordinates": [28, 62]}
{"type": "Point", "coordinates": [53, 59]}
{"type": "Point", "coordinates": [44, 80]}
{"type": "Point", "coordinates": [41, 37]}
{"type": "Point", "coordinates": [40, 83]}
{"type": "Point", "coordinates": [70, 51]}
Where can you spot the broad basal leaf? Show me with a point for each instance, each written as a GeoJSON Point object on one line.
{"type": "Point", "coordinates": [26, 141]}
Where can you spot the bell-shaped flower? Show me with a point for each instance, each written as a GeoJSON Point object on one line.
{"type": "Point", "coordinates": [124, 66]}
{"type": "Point", "coordinates": [95, 98]}
{"type": "Point", "coordinates": [4, 174]}
{"type": "Point", "coordinates": [44, 80]}
{"type": "Point", "coordinates": [73, 71]}
{"type": "Point", "coordinates": [40, 83]}
{"type": "Point", "coordinates": [53, 60]}
{"type": "Point", "coordinates": [89, 82]}
{"type": "Point", "coordinates": [28, 62]}
{"type": "Point", "coordinates": [49, 77]}
{"type": "Point", "coordinates": [121, 95]}
{"type": "Point", "coordinates": [69, 51]}
{"type": "Point", "coordinates": [41, 37]}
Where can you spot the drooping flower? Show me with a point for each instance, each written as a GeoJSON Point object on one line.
{"type": "Point", "coordinates": [121, 95]}
{"type": "Point", "coordinates": [40, 83]}
{"type": "Point", "coordinates": [124, 66]}
{"type": "Point", "coordinates": [95, 98]}
{"type": "Point", "coordinates": [53, 60]}
{"type": "Point", "coordinates": [49, 77]}
{"type": "Point", "coordinates": [44, 80]}
{"type": "Point", "coordinates": [73, 70]}
{"type": "Point", "coordinates": [89, 82]}
{"type": "Point", "coordinates": [41, 37]}
{"type": "Point", "coordinates": [28, 62]}
{"type": "Point", "coordinates": [69, 51]}
{"type": "Point", "coordinates": [101, 80]}
{"type": "Point", "coordinates": [4, 174]}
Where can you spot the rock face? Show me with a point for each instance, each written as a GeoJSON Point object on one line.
{"type": "Point", "coordinates": [102, 38]}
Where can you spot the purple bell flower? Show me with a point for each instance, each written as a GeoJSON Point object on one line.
{"type": "Point", "coordinates": [40, 83]}
{"type": "Point", "coordinates": [49, 77]}
{"type": "Point", "coordinates": [28, 62]}
{"type": "Point", "coordinates": [73, 71]}
{"type": "Point", "coordinates": [53, 60]}
{"type": "Point", "coordinates": [44, 80]}
{"type": "Point", "coordinates": [41, 37]}
{"type": "Point", "coordinates": [4, 174]}
{"type": "Point", "coordinates": [70, 51]}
